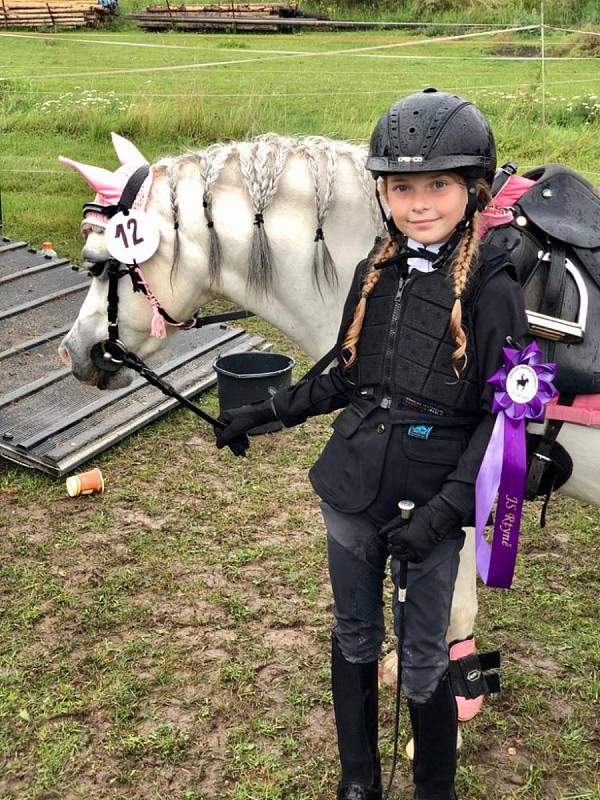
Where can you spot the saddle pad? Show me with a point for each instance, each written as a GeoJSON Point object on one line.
{"type": "Point", "coordinates": [584, 411]}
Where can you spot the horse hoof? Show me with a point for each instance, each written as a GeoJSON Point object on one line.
{"type": "Point", "coordinates": [410, 747]}
{"type": "Point", "coordinates": [388, 670]}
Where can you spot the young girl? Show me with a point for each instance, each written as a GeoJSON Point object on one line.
{"type": "Point", "coordinates": [422, 329]}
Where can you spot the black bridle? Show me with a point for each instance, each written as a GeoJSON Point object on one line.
{"type": "Point", "coordinates": [111, 355]}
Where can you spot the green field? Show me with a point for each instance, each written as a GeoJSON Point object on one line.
{"type": "Point", "coordinates": [168, 640]}
{"type": "Point", "coordinates": [63, 94]}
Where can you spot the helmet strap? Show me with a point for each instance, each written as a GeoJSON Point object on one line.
{"type": "Point", "coordinates": [472, 199]}
{"type": "Point", "coordinates": [470, 209]}
{"type": "Point", "coordinates": [389, 223]}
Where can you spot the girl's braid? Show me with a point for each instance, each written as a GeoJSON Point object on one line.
{"type": "Point", "coordinates": [461, 268]}
{"type": "Point", "coordinates": [388, 249]}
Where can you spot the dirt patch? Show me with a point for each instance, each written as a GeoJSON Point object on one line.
{"type": "Point", "coordinates": [512, 762]}
{"type": "Point", "coordinates": [286, 639]}
{"type": "Point", "coordinates": [535, 658]}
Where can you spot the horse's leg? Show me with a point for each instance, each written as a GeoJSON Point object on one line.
{"type": "Point", "coordinates": [464, 602]}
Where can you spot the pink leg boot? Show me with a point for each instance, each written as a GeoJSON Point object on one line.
{"type": "Point", "coordinates": [467, 708]}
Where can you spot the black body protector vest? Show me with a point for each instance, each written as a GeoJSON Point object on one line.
{"type": "Point", "coordinates": [405, 346]}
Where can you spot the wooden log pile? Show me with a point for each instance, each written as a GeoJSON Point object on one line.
{"type": "Point", "coordinates": [218, 16]}
{"type": "Point", "coordinates": [52, 14]}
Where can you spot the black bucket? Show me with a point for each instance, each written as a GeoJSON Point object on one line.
{"type": "Point", "coordinates": [245, 378]}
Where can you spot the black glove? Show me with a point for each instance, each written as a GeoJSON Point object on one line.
{"type": "Point", "coordinates": [414, 539]}
{"type": "Point", "coordinates": [242, 419]}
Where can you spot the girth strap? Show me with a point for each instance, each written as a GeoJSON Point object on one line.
{"type": "Point", "coordinates": [541, 460]}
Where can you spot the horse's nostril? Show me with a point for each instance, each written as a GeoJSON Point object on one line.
{"type": "Point", "coordinates": [64, 356]}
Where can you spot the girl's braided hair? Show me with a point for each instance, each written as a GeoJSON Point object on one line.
{"type": "Point", "coordinates": [464, 258]}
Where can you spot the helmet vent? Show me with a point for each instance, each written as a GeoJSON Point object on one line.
{"type": "Point", "coordinates": [412, 130]}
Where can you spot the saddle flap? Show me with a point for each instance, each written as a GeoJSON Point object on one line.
{"type": "Point", "coordinates": [564, 205]}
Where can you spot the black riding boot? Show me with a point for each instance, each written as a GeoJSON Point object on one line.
{"type": "Point", "coordinates": [355, 701]}
{"type": "Point", "coordinates": [435, 728]}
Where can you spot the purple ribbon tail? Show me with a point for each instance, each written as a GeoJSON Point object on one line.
{"type": "Point", "coordinates": [510, 505]}
{"type": "Point", "coordinates": [486, 488]}
{"type": "Point", "coordinates": [503, 470]}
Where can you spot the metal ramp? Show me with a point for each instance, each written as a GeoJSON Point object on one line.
{"type": "Point", "coordinates": [48, 420]}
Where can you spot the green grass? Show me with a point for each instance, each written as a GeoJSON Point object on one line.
{"type": "Point", "coordinates": [294, 91]}
{"type": "Point", "coordinates": [169, 639]}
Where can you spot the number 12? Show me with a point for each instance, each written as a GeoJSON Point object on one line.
{"type": "Point", "coordinates": [132, 226]}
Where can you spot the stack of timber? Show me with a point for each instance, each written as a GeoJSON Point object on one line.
{"type": "Point", "coordinates": [218, 16]}
{"type": "Point", "coordinates": [52, 14]}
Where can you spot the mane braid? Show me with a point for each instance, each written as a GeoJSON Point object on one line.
{"type": "Point", "coordinates": [262, 162]}
{"type": "Point", "coordinates": [315, 150]}
{"type": "Point", "coordinates": [172, 179]}
{"type": "Point", "coordinates": [210, 163]}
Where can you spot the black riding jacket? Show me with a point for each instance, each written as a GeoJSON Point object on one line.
{"type": "Point", "coordinates": [404, 408]}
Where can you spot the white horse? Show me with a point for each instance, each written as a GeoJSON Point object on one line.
{"type": "Point", "coordinates": [206, 205]}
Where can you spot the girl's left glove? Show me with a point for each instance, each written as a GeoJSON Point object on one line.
{"type": "Point", "coordinates": [239, 421]}
{"type": "Point", "coordinates": [414, 539]}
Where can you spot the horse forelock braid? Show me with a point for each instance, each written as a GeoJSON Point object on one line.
{"type": "Point", "coordinates": [349, 347]}
{"type": "Point", "coordinates": [461, 269]}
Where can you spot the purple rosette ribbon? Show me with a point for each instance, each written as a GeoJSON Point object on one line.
{"type": "Point", "coordinates": [522, 387]}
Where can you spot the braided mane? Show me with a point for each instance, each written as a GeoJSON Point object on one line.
{"type": "Point", "coordinates": [262, 162]}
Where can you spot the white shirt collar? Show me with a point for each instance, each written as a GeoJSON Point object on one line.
{"type": "Point", "coordinates": [422, 264]}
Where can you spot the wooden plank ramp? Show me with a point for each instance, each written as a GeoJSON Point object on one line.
{"type": "Point", "coordinates": [48, 420]}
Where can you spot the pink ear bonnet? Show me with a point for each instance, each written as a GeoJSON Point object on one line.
{"type": "Point", "coordinates": [109, 185]}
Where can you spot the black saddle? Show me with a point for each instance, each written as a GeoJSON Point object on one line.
{"type": "Point", "coordinates": [554, 245]}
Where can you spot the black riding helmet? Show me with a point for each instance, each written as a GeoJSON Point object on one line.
{"type": "Point", "coordinates": [430, 131]}
{"type": "Point", "coordinates": [433, 131]}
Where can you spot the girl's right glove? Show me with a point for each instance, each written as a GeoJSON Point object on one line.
{"type": "Point", "coordinates": [239, 421]}
{"type": "Point", "coordinates": [414, 539]}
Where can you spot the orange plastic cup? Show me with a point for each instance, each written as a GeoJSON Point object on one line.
{"type": "Point", "coordinates": [90, 482]}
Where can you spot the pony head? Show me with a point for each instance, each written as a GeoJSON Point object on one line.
{"type": "Point", "coordinates": [108, 187]}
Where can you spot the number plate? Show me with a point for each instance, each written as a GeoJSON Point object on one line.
{"type": "Point", "coordinates": [134, 237]}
